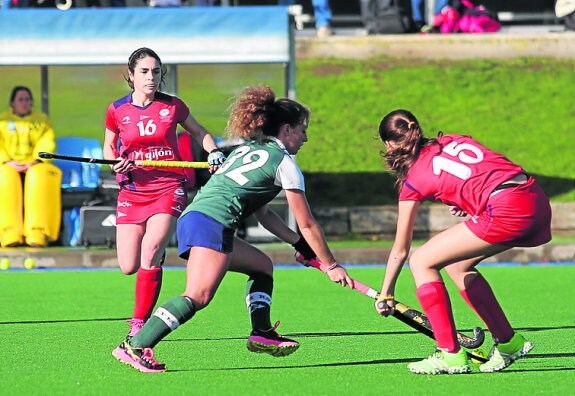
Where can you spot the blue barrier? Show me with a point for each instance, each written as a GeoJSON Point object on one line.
{"type": "Point", "coordinates": [185, 35]}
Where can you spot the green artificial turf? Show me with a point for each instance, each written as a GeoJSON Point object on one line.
{"type": "Point", "coordinates": [57, 330]}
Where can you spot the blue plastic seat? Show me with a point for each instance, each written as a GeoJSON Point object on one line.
{"type": "Point", "coordinates": [79, 176]}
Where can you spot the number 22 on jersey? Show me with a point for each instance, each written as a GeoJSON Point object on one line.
{"type": "Point", "coordinates": [250, 160]}
{"type": "Point", "coordinates": [463, 153]}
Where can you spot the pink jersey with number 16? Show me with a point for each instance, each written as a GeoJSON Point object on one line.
{"type": "Point", "coordinates": [148, 133]}
{"type": "Point", "coordinates": [458, 171]}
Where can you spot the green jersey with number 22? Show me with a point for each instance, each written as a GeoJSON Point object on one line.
{"type": "Point", "coordinates": [252, 175]}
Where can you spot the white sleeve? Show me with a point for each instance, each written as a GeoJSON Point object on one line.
{"type": "Point", "coordinates": [289, 176]}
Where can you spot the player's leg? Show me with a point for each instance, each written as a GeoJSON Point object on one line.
{"type": "Point", "coordinates": [149, 220]}
{"type": "Point", "coordinates": [207, 246]}
{"type": "Point", "coordinates": [158, 230]}
{"type": "Point", "coordinates": [42, 204]}
{"type": "Point", "coordinates": [11, 215]}
{"type": "Point", "coordinates": [258, 266]}
{"type": "Point", "coordinates": [478, 294]}
{"type": "Point", "coordinates": [519, 216]}
{"type": "Point", "coordinates": [204, 273]}
{"type": "Point", "coordinates": [128, 247]}
{"type": "Point", "coordinates": [452, 245]}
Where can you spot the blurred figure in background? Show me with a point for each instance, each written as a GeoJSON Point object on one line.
{"type": "Point", "coordinates": [322, 14]}
{"type": "Point", "coordinates": [566, 9]}
{"type": "Point", "coordinates": [31, 212]}
{"type": "Point", "coordinates": [419, 12]}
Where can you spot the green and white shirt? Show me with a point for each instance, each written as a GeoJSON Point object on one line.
{"type": "Point", "coordinates": [252, 175]}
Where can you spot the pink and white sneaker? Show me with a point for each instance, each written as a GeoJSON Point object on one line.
{"type": "Point", "coordinates": [135, 326]}
{"type": "Point", "coordinates": [141, 359]}
{"type": "Point", "coordinates": [271, 342]}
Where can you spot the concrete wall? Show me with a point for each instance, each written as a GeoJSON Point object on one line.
{"type": "Point", "coordinates": [438, 46]}
{"type": "Point", "coordinates": [380, 221]}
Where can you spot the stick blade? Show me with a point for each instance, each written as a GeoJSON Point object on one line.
{"type": "Point", "coordinates": [473, 342]}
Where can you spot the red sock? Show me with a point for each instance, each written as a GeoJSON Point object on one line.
{"type": "Point", "coordinates": [148, 285]}
{"type": "Point", "coordinates": [480, 297]}
{"type": "Point", "coordinates": [435, 302]}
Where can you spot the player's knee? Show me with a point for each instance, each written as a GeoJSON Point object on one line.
{"type": "Point", "coordinates": [151, 256]}
{"type": "Point", "coordinates": [420, 260]}
{"type": "Point", "coordinates": [129, 269]}
{"type": "Point", "coordinates": [200, 298]}
{"type": "Point", "coordinates": [263, 265]}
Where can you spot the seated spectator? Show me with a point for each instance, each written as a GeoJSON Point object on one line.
{"type": "Point", "coordinates": [31, 212]}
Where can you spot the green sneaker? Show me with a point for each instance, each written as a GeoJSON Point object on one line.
{"type": "Point", "coordinates": [442, 362]}
{"type": "Point", "coordinates": [504, 354]}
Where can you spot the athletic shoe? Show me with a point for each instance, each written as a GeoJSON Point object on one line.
{"type": "Point", "coordinates": [442, 362]}
{"type": "Point", "coordinates": [141, 359]}
{"type": "Point", "coordinates": [135, 326]}
{"type": "Point", "coordinates": [271, 342]}
{"type": "Point", "coordinates": [502, 355]}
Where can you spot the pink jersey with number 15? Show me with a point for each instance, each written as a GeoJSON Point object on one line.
{"type": "Point", "coordinates": [148, 133]}
{"type": "Point", "coordinates": [458, 171]}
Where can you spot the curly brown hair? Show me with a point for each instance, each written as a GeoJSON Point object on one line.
{"type": "Point", "coordinates": [401, 128]}
{"type": "Point", "coordinates": [257, 113]}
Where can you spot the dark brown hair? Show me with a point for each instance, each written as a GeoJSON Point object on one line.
{"type": "Point", "coordinates": [256, 113]}
{"type": "Point", "coordinates": [401, 128]}
{"type": "Point", "coordinates": [138, 54]}
{"type": "Point", "coordinates": [18, 88]}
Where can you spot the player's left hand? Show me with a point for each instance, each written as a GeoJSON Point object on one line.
{"type": "Point", "coordinates": [384, 307]}
{"type": "Point", "coordinates": [215, 159]}
{"type": "Point", "coordinates": [339, 275]}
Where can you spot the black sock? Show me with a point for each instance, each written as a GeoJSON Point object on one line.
{"type": "Point", "coordinates": [259, 300]}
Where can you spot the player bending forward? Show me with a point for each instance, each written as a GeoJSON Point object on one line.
{"type": "Point", "coordinates": [507, 209]}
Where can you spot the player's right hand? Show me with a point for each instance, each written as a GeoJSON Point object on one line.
{"type": "Point", "coordinates": [339, 275]}
{"type": "Point", "coordinates": [215, 159]}
{"type": "Point", "coordinates": [123, 166]}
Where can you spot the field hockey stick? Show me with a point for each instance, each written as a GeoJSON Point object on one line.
{"type": "Point", "coordinates": [150, 163]}
{"type": "Point", "coordinates": [412, 317]}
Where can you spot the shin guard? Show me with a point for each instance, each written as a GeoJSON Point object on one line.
{"type": "Point", "coordinates": [148, 286]}
{"type": "Point", "coordinates": [167, 318]}
{"type": "Point", "coordinates": [11, 207]}
{"type": "Point", "coordinates": [480, 297]}
{"type": "Point", "coordinates": [435, 302]}
{"type": "Point", "coordinates": [42, 203]}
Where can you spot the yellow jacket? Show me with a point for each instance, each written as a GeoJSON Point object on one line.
{"type": "Point", "coordinates": [22, 138]}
